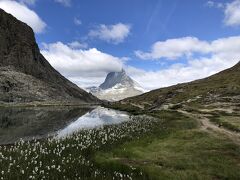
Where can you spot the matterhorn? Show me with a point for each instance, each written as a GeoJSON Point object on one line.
{"type": "Point", "coordinates": [117, 86]}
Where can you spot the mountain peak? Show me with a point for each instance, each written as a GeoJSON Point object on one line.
{"type": "Point", "coordinates": [117, 86]}
{"type": "Point", "coordinates": [123, 71]}
{"type": "Point", "coordinates": [114, 78]}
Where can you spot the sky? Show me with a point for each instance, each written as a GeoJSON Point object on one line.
{"type": "Point", "coordinates": [159, 43]}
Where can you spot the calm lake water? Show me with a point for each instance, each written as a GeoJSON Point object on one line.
{"type": "Point", "coordinates": [98, 117]}
{"type": "Point", "coordinates": [36, 122]}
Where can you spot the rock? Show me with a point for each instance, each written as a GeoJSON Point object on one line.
{"type": "Point", "coordinates": [25, 75]}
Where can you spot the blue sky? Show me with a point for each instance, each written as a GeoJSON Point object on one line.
{"type": "Point", "coordinates": [150, 20]}
{"type": "Point", "coordinates": [158, 42]}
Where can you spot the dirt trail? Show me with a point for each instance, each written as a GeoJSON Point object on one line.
{"type": "Point", "coordinates": [206, 125]}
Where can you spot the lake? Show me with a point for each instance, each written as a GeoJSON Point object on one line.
{"type": "Point", "coordinates": [41, 122]}
{"type": "Point", "coordinates": [77, 136]}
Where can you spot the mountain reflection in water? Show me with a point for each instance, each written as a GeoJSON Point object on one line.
{"type": "Point", "coordinates": [40, 122]}
{"type": "Point", "coordinates": [35, 122]}
{"type": "Point", "coordinates": [95, 118]}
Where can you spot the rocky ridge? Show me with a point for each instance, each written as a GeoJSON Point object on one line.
{"type": "Point", "coordinates": [25, 75]}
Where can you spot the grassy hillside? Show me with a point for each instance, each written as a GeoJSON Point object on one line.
{"type": "Point", "coordinates": [199, 138]}
{"type": "Point", "coordinates": [177, 148]}
{"type": "Point", "coordinates": [221, 87]}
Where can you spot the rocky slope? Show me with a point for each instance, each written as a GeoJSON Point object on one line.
{"type": "Point", "coordinates": [117, 86]}
{"type": "Point", "coordinates": [25, 75]}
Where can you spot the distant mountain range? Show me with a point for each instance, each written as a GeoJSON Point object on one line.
{"type": "Point", "coordinates": [117, 86]}
{"type": "Point", "coordinates": [25, 75]}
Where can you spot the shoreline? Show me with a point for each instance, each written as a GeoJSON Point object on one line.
{"type": "Point", "coordinates": [46, 104]}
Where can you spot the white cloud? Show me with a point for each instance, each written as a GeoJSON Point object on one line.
{"type": "Point", "coordinates": [77, 21]}
{"type": "Point", "coordinates": [28, 2]}
{"type": "Point", "coordinates": [89, 67]}
{"type": "Point", "coordinates": [187, 46]}
{"type": "Point", "coordinates": [232, 13]}
{"type": "Point", "coordinates": [214, 4]}
{"type": "Point", "coordinates": [210, 3]}
{"type": "Point", "coordinates": [66, 3]}
{"type": "Point", "coordinates": [174, 48]}
{"type": "Point", "coordinates": [84, 67]}
{"type": "Point", "coordinates": [23, 13]}
{"type": "Point", "coordinates": [111, 33]}
{"type": "Point", "coordinates": [214, 57]}
{"type": "Point", "coordinates": [180, 73]}
{"type": "Point", "coordinates": [78, 45]}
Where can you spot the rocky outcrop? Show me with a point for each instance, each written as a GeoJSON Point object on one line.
{"type": "Point", "coordinates": [25, 75]}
